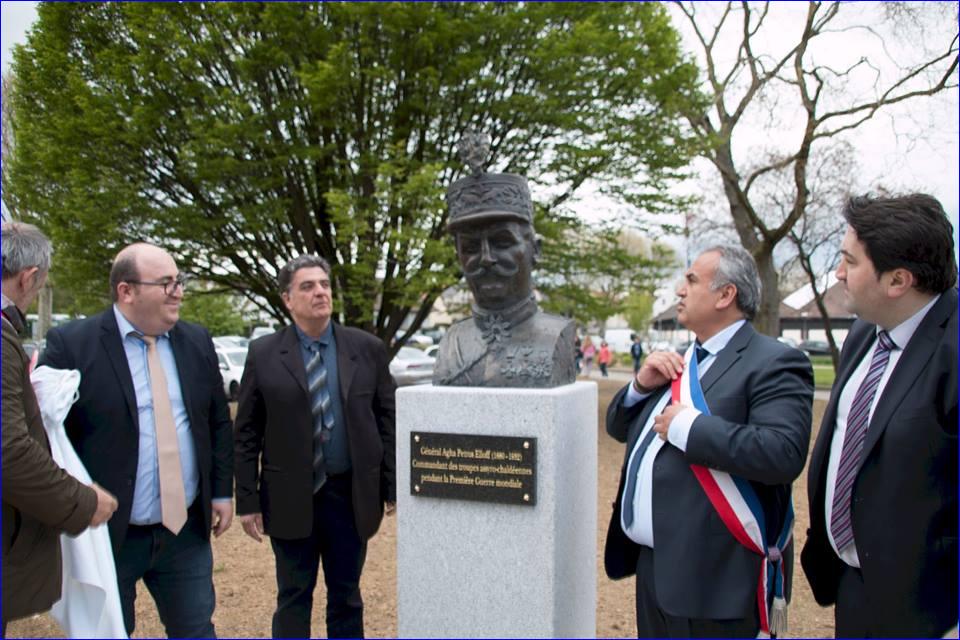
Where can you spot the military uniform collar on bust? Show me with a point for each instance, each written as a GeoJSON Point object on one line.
{"type": "Point", "coordinates": [495, 325]}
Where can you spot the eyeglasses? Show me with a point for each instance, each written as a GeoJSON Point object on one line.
{"type": "Point", "coordinates": [169, 286]}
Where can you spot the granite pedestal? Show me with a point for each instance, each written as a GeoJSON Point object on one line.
{"type": "Point", "coordinates": [482, 569]}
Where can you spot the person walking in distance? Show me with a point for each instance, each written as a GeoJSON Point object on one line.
{"type": "Point", "coordinates": [589, 353]}
{"type": "Point", "coordinates": [636, 352]}
{"type": "Point", "coordinates": [604, 357]}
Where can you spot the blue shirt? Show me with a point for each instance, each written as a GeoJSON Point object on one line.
{"type": "Point", "coordinates": [336, 452]}
{"type": "Point", "coordinates": [146, 490]}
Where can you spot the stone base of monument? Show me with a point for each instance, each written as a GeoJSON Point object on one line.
{"type": "Point", "coordinates": [497, 511]}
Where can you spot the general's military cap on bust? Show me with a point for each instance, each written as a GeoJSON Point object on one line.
{"type": "Point", "coordinates": [482, 197]}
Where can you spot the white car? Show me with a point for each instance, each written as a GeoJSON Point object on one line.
{"type": "Point", "coordinates": [231, 342]}
{"type": "Point", "coordinates": [432, 351]}
{"type": "Point", "coordinates": [415, 340]}
{"type": "Point", "coordinates": [411, 366]}
{"type": "Point", "coordinates": [261, 331]}
{"type": "Point", "coordinates": [790, 342]}
{"type": "Point", "coordinates": [231, 361]}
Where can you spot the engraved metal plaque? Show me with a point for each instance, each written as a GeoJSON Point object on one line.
{"type": "Point", "coordinates": [471, 467]}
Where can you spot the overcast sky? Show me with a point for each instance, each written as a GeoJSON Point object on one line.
{"type": "Point", "coordinates": [884, 156]}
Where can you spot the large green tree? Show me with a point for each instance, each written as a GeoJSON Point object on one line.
{"type": "Point", "coordinates": [239, 135]}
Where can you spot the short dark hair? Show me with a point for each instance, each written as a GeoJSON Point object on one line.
{"type": "Point", "coordinates": [124, 269]}
{"type": "Point", "coordinates": [285, 276]}
{"type": "Point", "coordinates": [911, 232]}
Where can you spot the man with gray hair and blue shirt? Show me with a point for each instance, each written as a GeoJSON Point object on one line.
{"type": "Point", "coordinates": [715, 437]}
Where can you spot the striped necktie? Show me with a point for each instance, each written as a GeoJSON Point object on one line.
{"type": "Point", "coordinates": [857, 422]}
{"type": "Point", "coordinates": [321, 408]}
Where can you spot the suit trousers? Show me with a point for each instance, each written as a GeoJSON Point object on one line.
{"type": "Point", "coordinates": [852, 613]}
{"type": "Point", "coordinates": [654, 622]}
{"type": "Point", "coordinates": [178, 572]}
{"type": "Point", "coordinates": [335, 541]}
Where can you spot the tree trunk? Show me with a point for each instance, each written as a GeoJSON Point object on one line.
{"type": "Point", "coordinates": [767, 320]}
{"type": "Point", "coordinates": [44, 311]}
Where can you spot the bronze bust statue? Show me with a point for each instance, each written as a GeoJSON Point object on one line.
{"type": "Point", "coordinates": [508, 342]}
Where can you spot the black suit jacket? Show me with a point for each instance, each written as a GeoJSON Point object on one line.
{"type": "Point", "coordinates": [905, 494]}
{"type": "Point", "coordinates": [760, 394]}
{"type": "Point", "coordinates": [103, 424]}
{"type": "Point", "coordinates": [274, 433]}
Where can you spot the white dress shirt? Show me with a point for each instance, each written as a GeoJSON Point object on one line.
{"type": "Point", "coordinates": [901, 335]}
{"type": "Point", "coordinates": [641, 531]}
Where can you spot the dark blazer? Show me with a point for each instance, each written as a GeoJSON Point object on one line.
{"type": "Point", "coordinates": [40, 499]}
{"type": "Point", "coordinates": [760, 394]}
{"type": "Point", "coordinates": [103, 424]}
{"type": "Point", "coordinates": [274, 433]}
{"type": "Point", "coordinates": [905, 494]}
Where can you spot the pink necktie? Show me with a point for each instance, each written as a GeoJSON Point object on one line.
{"type": "Point", "coordinates": [173, 500]}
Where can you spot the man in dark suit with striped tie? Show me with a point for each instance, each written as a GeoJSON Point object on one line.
{"type": "Point", "coordinates": [315, 459]}
{"type": "Point", "coordinates": [882, 483]}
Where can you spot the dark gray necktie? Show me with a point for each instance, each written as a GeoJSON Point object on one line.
{"type": "Point", "coordinates": [631, 485]}
{"type": "Point", "coordinates": [320, 407]}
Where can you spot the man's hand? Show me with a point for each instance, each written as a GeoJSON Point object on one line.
{"type": "Point", "coordinates": [390, 508]}
{"type": "Point", "coordinates": [222, 515]}
{"type": "Point", "coordinates": [658, 369]}
{"type": "Point", "coordinates": [106, 505]}
{"type": "Point", "coordinates": [252, 524]}
{"type": "Point", "coordinates": [661, 423]}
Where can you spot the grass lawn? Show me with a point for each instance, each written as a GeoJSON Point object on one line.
{"type": "Point", "coordinates": [823, 376]}
{"type": "Point", "coordinates": [823, 373]}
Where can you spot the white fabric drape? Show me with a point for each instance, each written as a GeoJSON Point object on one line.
{"type": "Point", "coordinates": [89, 606]}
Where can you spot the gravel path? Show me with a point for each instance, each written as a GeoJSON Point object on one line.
{"type": "Point", "coordinates": [246, 588]}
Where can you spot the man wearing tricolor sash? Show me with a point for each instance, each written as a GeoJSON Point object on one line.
{"type": "Point", "coordinates": [882, 484]}
{"type": "Point", "coordinates": [703, 516]}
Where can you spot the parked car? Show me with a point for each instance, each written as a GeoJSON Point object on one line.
{"type": "Point", "coordinates": [432, 351]}
{"type": "Point", "coordinates": [435, 334]}
{"type": "Point", "coordinates": [411, 366]}
{"type": "Point", "coordinates": [261, 331]}
{"type": "Point", "coordinates": [659, 345]}
{"type": "Point", "coordinates": [790, 342]}
{"type": "Point", "coordinates": [30, 346]}
{"type": "Point", "coordinates": [815, 347]}
{"type": "Point", "coordinates": [231, 361]}
{"type": "Point", "coordinates": [415, 340]}
{"type": "Point", "coordinates": [231, 341]}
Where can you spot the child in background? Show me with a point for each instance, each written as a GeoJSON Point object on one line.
{"type": "Point", "coordinates": [604, 358]}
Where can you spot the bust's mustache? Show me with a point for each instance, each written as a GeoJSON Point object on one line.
{"type": "Point", "coordinates": [496, 271]}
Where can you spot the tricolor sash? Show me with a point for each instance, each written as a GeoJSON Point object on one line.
{"type": "Point", "coordinates": [740, 510]}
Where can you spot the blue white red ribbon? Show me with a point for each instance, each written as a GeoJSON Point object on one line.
{"type": "Point", "coordinates": [739, 508]}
